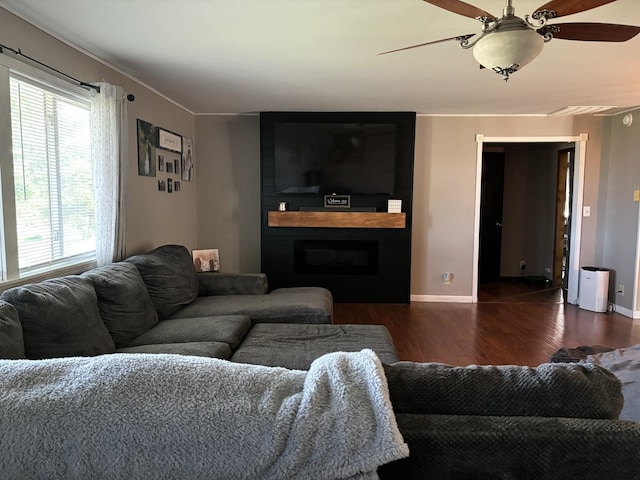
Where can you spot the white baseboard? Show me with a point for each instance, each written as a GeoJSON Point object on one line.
{"type": "Point", "coordinates": [441, 298]}
{"type": "Point", "coordinates": [626, 312]}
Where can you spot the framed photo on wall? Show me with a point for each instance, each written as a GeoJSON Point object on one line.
{"type": "Point", "coordinates": [146, 149]}
{"type": "Point", "coordinates": [187, 159]}
{"type": "Point", "coordinates": [169, 141]}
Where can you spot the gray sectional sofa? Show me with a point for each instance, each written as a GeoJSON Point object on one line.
{"type": "Point", "coordinates": [475, 422]}
{"type": "Point", "coordinates": [157, 303]}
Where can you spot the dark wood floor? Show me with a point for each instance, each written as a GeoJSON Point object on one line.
{"type": "Point", "coordinates": [513, 323]}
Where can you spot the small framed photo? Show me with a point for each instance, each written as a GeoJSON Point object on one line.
{"type": "Point", "coordinates": [161, 186]}
{"type": "Point", "coordinates": [161, 163]}
{"type": "Point", "coordinates": [176, 166]}
{"type": "Point", "coordinates": [176, 186]}
{"type": "Point", "coordinates": [169, 185]}
{"type": "Point", "coordinates": [169, 141]}
{"type": "Point", "coordinates": [169, 167]}
{"type": "Point", "coordinates": [206, 260]}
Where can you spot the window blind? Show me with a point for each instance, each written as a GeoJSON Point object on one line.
{"type": "Point", "coordinates": [53, 172]}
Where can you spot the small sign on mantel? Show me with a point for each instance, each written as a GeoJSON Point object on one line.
{"type": "Point", "coordinates": [337, 201]}
{"type": "Point", "coordinates": [394, 206]}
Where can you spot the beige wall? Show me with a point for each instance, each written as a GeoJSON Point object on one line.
{"type": "Point", "coordinates": [228, 180]}
{"type": "Point", "coordinates": [444, 192]}
{"type": "Point", "coordinates": [153, 218]}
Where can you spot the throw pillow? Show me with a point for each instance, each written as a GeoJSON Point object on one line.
{"type": "Point", "coordinates": [170, 277]}
{"type": "Point", "coordinates": [11, 340]}
{"type": "Point", "coordinates": [624, 363]}
{"type": "Point", "coordinates": [60, 318]}
{"type": "Point", "coordinates": [123, 301]}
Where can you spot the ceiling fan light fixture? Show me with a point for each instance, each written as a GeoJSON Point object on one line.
{"type": "Point", "coordinates": [506, 52]}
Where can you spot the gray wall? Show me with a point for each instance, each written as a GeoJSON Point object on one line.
{"type": "Point", "coordinates": [619, 222]}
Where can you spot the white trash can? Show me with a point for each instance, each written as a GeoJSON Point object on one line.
{"type": "Point", "coordinates": [593, 292]}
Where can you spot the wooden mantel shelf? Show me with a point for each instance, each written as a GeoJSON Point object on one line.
{"type": "Point", "coordinates": [337, 219]}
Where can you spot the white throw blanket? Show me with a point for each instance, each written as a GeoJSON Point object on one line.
{"type": "Point", "coordinates": [135, 416]}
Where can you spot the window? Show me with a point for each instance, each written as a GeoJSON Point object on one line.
{"type": "Point", "coordinates": [48, 220]}
{"type": "Point", "coordinates": [53, 175]}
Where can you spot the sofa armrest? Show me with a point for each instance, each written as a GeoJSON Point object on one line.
{"type": "Point", "coordinates": [218, 283]}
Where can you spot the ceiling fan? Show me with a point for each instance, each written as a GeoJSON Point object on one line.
{"type": "Point", "coordinates": [508, 43]}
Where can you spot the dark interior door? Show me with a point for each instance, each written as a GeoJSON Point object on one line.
{"type": "Point", "coordinates": [491, 217]}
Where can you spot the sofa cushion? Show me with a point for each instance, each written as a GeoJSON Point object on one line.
{"type": "Point", "coordinates": [229, 329]}
{"type": "Point", "coordinates": [297, 346]}
{"type": "Point", "coordinates": [170, 277]}
{"type": "Point", "coordinates": [60, 318]}
{"type": "Point", "coordinates": [123, 301]}
{"type": "Point", "coordinates": [313, 305]}
{"type": "Point", "coordinates": [11, 339]}
{"type": "Point", "coordinates": [548, 390]}
{"type": "Point", "coordinates": [197, 349]}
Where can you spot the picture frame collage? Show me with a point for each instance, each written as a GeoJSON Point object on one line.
{"type": "Point", "coordinates": [162, 152]}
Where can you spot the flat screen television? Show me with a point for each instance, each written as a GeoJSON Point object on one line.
{"type": "Point", "coordinates": [334, 157]}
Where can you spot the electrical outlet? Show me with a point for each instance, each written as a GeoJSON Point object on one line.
{"type": "Point", "coordinates": [523, 265]}
{"type": "Point", "coordinates": [621, 290]}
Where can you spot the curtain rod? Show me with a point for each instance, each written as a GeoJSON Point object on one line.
{"type": "Point", "coordinates": [19, 53]}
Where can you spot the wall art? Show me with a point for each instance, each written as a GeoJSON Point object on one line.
{"type": "Point", "coordinates": [169, 141]}
{"type": "Point", "coordinates": [146, 149]}
{"type": "Point", "coordinates": [187, 159]}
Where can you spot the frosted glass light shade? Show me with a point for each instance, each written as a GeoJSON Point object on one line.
{"type": "Point", "coordinates": [510, 47]}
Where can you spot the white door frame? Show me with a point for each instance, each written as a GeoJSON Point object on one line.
{"type": "Point", "coordinates": [577, 199]}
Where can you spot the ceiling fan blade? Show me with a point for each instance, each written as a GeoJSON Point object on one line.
{"type": "Point", "coordinates": [593, 32]}
{"type": "Point", "coordinates": [569, 7]}
{"type": "Point", "coordinates": [461, 8]}
{"type": "Point", "coordinates": [458, 38]}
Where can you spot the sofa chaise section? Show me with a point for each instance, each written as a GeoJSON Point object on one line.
{"type": "Point", "coordinates": [297, 346]}
{"type": "Point", "coordinates": [177, 291]}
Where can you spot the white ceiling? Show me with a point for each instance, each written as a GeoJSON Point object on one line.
{"type": "Point", "coordinates": [232, 56]}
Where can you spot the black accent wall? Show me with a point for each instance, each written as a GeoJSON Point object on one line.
{"type": "Point", "coordinates": [358, 265]}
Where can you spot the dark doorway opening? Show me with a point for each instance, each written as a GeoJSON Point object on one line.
{"type": "Point", "coordinates": [525, 218]}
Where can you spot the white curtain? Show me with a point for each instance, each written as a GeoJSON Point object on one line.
{"type": "Point", "coordinates": [109, 127]}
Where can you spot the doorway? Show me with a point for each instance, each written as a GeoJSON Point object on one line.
{"type": "Point", "coordinates": [535, 194]}
{"type": "Point", "coordinates": [568, 270]}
